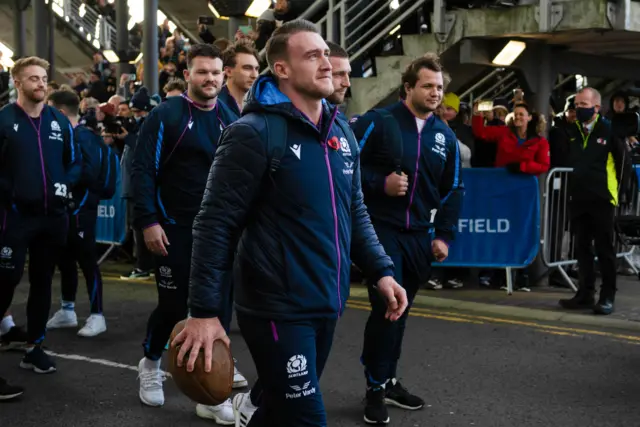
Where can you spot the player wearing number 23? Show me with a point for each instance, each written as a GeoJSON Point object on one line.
{"type": "Point", "coordinates": [39, 163]}
{"type": "Point", "coordinates": [413, 190]}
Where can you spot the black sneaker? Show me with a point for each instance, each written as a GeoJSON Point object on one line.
{"type": "Point", "coordinates": [16, 338]}
{"type": "Point", "coordinates": [399, 396]}
{"type": "Point", "coordinates": [375, 412]}
{"type": "Point", "coordinates": [39, 361]}
{"type": "Point", "coordinates": [8, 392]}
{"type": "Point", "coordinates": [136, 274]}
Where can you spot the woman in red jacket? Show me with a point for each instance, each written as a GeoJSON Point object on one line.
{"type": "Point", "coordinates": [521, 146]}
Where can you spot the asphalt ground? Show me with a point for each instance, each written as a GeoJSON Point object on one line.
{"type": "Point", "coordinates": [472, 369]}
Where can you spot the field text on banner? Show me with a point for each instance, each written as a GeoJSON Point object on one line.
{"type": "Point", "coordinates": [111, 227]}
{"type": "Point", "coordinates": [499, 225]}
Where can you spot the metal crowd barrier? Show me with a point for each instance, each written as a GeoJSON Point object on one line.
{"type": "Point", "coordinates": [558, 238]}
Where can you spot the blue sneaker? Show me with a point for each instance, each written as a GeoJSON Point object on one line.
{"type": "Point", "coordinates": [38, 361]}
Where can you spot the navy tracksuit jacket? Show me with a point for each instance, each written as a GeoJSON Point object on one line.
{"type": "Point", "coordinates": [406, 225]}
{"type": "Point", "coordinates": [175, 149]}
{"type": "Point", "coordinates": [81, 242]}
{"type": "Point", "coordinates": [39, 165]}
{"type": "Point", "coordinates": [297, 229]}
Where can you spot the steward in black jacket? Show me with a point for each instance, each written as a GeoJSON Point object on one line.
{"type": "Point", "coordinates": [601, 174]}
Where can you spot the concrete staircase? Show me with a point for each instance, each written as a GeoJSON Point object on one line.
{"type": "Point", "coordinates": [568, 19]}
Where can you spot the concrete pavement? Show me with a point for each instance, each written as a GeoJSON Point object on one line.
{"type": "Point", "coordinates": [473, 370]}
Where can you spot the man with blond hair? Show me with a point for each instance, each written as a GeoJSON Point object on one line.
{"type": "Point", "coordinates": [39, 164]}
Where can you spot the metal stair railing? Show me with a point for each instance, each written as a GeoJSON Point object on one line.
{"type": "Point", "coordinates": [98, 30]}
{"type": "Point", "coordinates": [358, 25]}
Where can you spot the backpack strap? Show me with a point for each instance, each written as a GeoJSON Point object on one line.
{"type": "Point", "coordinates": [276, 127]}
{"type": "Point", "coordinates": [392, 137]}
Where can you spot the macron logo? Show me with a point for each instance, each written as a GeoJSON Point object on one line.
{"type": "Point", "coordinates": [296, 150]}
{"type": "Point", "coordinates": [15, 127]}
{"type": "Point", "coordinates": [190, 125]}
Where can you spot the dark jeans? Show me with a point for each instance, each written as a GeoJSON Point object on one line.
{"type": "Point", "coordinates": [289, 357]}
{"type": "Point", "coordinates": [81, 249]}
{"type": "Point", "coordinates": [43, 237]}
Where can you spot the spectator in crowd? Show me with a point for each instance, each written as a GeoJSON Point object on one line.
{"type": "Point", "coordinates": [241, 69]}
{"type": "Point", "coordinates": [484, 153]}
{"type": "Point", "coordinates": [101, 66]}
{"type": "Point", "coordinates": [80, 84]}
{"type": "Point", "coordinates": [124, 110]}
{"type": "Point", "coordinates": [619, 103]}
{"type": "Point", "coordinates": [164, 32]}
{"type": "Point", "coordinates": [205, 34]}
{"type": "Point", "coordinates": [600, 162]}
{"type": "Point", "coordinates": [141, 104]}
{"type": "Point", "coordinates": [222, 44]}
{"type": "Point", "coordinates": [266, 25]}
{"type": "Point", "coordinates": [168, 72]}
{"type": "Point", "coordinates": [174, 87]}
{"type": "Point", "coordinates": [96, 88]}
{"type": "Point", "coordinates": [522, 148]}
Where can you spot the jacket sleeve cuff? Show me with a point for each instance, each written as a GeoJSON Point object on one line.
{"type": "Point", "coordinates": [385, 272]}
{"type": "Point", "coordinates": [146, 222]}
{"type": "Point", "coordinates": [199, 313]}
{"type": "Point", "coordinates": [444, 237]}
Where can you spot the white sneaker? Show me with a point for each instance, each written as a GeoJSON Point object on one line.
{"type": "Point", "coordinates": [95, 325]}
{"type": "Point", "coordinates": [222, 414]}
{"type": "Point", "coordinates": [243, 409]}
{"type": "Point", "coordinates": [63, 319]}
{"type": "Point", "coordinates": [151, 379]}
{"type": "Point", "coordinates": [239, 381]}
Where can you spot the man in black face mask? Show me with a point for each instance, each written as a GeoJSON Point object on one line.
{"type": "Point", "coordinates": [599, 161]}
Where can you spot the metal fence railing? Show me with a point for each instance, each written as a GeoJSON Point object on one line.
{"type": "Point", "coordinates": [558, 248]}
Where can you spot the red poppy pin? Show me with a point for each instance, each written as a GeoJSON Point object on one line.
{"type": "Point", "coordinates": [334, 143]}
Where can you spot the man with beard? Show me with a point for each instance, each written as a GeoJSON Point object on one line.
{"type": "Point", "coordinates": [291, 270]}
{"type": "Point", "coordinates": [242, 69]}
{"type": "Point", "coordinates": [175, 149]}
{"type": "Point", "coordinates": [39, 165]}
{"type": "Point", "coordinates": [414, 200]}
{"type": "Point", "coordinates": [341, 69]}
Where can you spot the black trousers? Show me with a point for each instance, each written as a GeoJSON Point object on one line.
{"type": "Point", "coordinates": [81, 249]}
{"type": "Point", "coordinates": [144, 257]}
{"type": "Point", "coordinates": [172, 281]}
{"type": "Point", "coordinates": [412, 256]}
{"type": "Point", "coordinates": [43, 237]}
{"type": "Point", "coordinates": [595, 223]}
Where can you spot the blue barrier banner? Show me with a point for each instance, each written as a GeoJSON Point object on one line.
{"type": "Point", "coordinates": [111, 226]}
{"type": "Point", "coordinates": [499, 224]}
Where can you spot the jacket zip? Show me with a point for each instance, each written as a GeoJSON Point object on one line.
{"type": "Point", "coordinates": [415, 180]}
{"type": "Point", "coordinates": [44, 175]}
{"type": "Point", "coordinates": [333, 206]}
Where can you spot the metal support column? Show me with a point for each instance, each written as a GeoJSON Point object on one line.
{"type": "Point", "coordinates": [20, 28]}
{"type": "Point", "coordinates": [150, 46]}
{"type": "Point", "coordinates": [122, 33]}
{"type": "Point", "coordinates": [40, 19]}
{"type": "Point", "coordinates": [52, 37]}
{"type": "Point", "coordinates": [234, 24]}
{"type": "Point", "coordinates": [537, 270]}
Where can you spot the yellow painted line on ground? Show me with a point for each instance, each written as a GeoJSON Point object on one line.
{"type": "Point", "coordinates": [461, 317]}
{"type": "Point", "coordinates": [576, 331]}
{"type": "Point", "coordinates": [360, 306]}
{"type": "Point", "coordinates": [563, 334]}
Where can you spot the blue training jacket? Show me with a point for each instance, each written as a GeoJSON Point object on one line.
{"type": "Point", "coordinates": [431, 160]}
{"type": "Point", "coordinates": [297, 228]}
{"type": "Point", "coordinates": [173, 155]}
{"type": "Point", "coordinates": [40, 162]}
